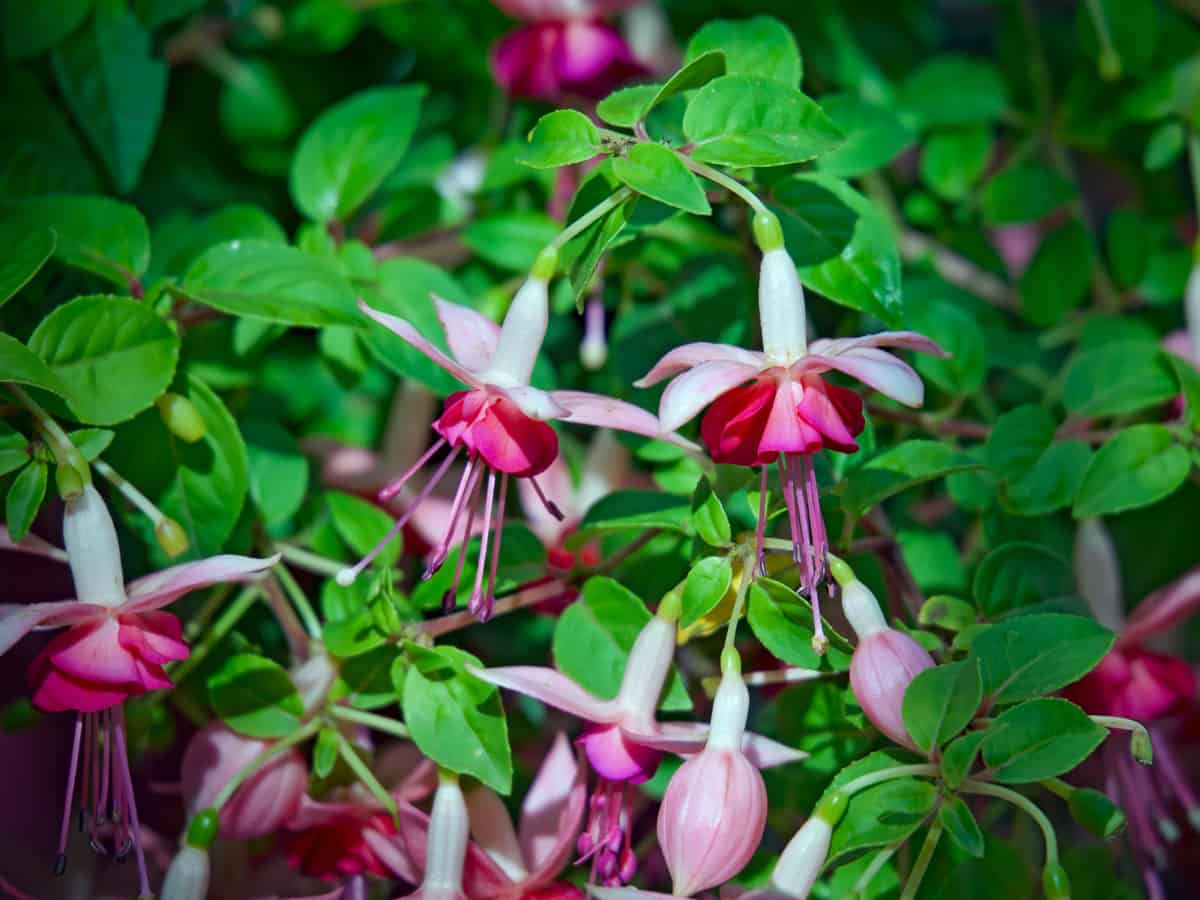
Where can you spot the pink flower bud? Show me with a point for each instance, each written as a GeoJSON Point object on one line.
{"type": "Point", "coordinates": [803, 858]}
{"type": "Point", "coordinates": [266, 799]}
{"type": "Point", "coordinates": [715, 808]}
{"type": "Point", "coordinates": [884, 662]}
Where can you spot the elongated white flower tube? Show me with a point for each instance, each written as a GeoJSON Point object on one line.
{"type": "Point", "coordinates": [781, 309]}
{"type": "Point", "coordinates": [188, 875]}
{"type": "Point", "coordinates": [92, 549]}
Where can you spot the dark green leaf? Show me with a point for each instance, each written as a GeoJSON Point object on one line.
{"type": "Point", "coordinates": [1023, 193]}
{"type": "Point", "coordinates": [1039, 739]}
{"type": "Point", "coordinates": [14, 450]}
{"type": "Point", "coordinates": [782, 620]}
{"type": "Point", "coordinates": [903, 467]}
{"type": "Point", "coordinates": [632, 510]}
{"type": "Point", "coordinates": [39, 151]}
{"type": "Point", "coordinates": [960, 826]}
{"type": "Point", "coordinates": [1020, 574]}
{"type": "Point", "coordinates": [954, 90]}
{"type": "Point", "coordinates": [940, 702]}
{"type": "Point", "coordinates": [953, 161]}
{"type": "Point", "coordinates": [1139, 466]}
{"type": "Point", "coordinates": [817, 224]}
{"type": "Point", "coordinates": [96, 234]}
{"type": "Point", "coordinates": [21, 365]}
{"type": "Point", "coordinates": [25, 252]}
{"type": "Point", "coordinates": [366, 678]}
{"type": "Point", "coordinates": [362, 525]}
{"type": "Point", "coordinates": [959, 757]}
{"type": "Point", "coordinates": [1052, 483]}
{"type": "Point", "coordinates": [1117, 378]}
{"type": "Point", "coordinates": [24, 498]}
{"type": "Point", "coordinates": [278, 470]}
{"type": "Point", "coordinates": [1018, 439]}
{"type": "Point", "coordinates": [1028, 656]}
{"type": "Point", "coordinates": [511, 240]}
{"type": "Point", "coordinates": [874, 136]}
{"type": "Point", "coordinates": [31, 28]}
{"type": "Point", "coordinates": [708, 516]}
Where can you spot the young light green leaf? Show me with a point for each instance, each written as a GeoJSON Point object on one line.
{"type": "Point", "coordinates": [255, 696]}
{"type": "Point", "coordinates": [21, 365]}
{"type": "Point", "coordinates": [952, 161]}
{"type": "Point", "coordinates": [782, 620]}
{"type": "Point", "coordinates": [24, 498]}
{"type": "Point", "coordinates": [113, 355]}
{"type": "Point", "coordinates": [349, 151]}
{"type": "Point", "coordinates": [14, 449]}
{"type": "Point", "coordinates": [761, 46]}
{"type": "Point", "coordinates": [1139, 466]}
{"type": "Point", "coordinates": [561, 138]}
{"type": "Point", "coordinates": [1039, 739]}
{"type": "Point", "coordinates": [709, 517]}
{"type": "Point", "coordinates": [940, 702]}
{"type": "Point", "coordinates": [625, 106]}
{"type": "Point", "coordinates": [325, 752]}
{"type": "Point", "coordinates": [704, 587]}
{"type": "Point", "coordinates": [944, 611]}
{"type": "Point", "coordinates": [95, 234]}
{"type": "Point", "coordinates": [454, 718]}
{"type": "Point", "coordinates": [882, 814]}
{"type": "Point", "coordinates": [1028, 656]}
{"type": "Point", "coordinates": [658, 172]}
{"type": "Point", "coordinates": [697, 72]}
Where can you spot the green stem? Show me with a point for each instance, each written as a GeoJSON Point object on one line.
{"type": "Point", "coordinates": [730, 184]}
{"type": "Point", "coordinates": [129, 492]}
{"type": "Point", "coordinates": [371, 720]}
{"type": "Point", "coordinates": [921, 866]}
{"type": "Point", "coordinates": [296, 737]}
{"type": "Point", "coordinates": [1058, 787]}
{"type": "Point", "coordinates": [65, 452]}
{"type": "Point", "coordinates": [585, 221]}
{"type": "Point", "coordinates": [367, 777]}
{"type": "Point", "coordinates": [748, 564]}
{"type": "Point", "coordinates": [873, 778]}
{"type": "Point", "coordinates": [868, 875]}
{"type": "Point", "coordinates": [1100, 21]}
{"type": "Point", "coordinates": [238, 608]}
{"type": "Point", "coordinates": [295, 593]}
{"type": "Point", "coordinates": [306, 559]}
{"type": "Point", "coordinates": [1194, 166]}
{"type": "Point", "coordinates": [1019, 800]}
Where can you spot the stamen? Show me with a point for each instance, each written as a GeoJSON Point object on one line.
{"type": "Point", "coordinates": [477, 604]}
{"type": "Point", "coordinates": [550, 507]}
{"type": "Point", "coordinates": [451, 599]}
{"type": "Point", "coordinates": [127, 780]}
{"type": "Point", "coordinates": [105, 767]}
{"type": "Point", "coordinates": [85, 788]}
{"type": "Point", "coordinates": [816, 520]}
{"type": "Point", "coordinates": [490, 599]}
{"type": "Point", "coordinates": [760, 531]}
{"type": "Point", "coordinates": [456, 507]}
{"type": "Point", "coordinates": [789, 500]}
{"type": "Point", "coordinates": [391, 490]}
{"type": "Point", "coordinates": [817, 551]}
{"type": "Point", "coordinates": [348, 575]}
{"type": "Point", "coordinates": [60, 860]}
{"type": "Point", "coordinates": [1164, 758]}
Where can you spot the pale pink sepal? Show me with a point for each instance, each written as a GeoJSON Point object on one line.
{"type": "Point", "coordinates": [688, 394]}
{"type": "Point", "coordinates": [605, 412]}
{"type": "Point", "coordinates": [470, 335]}
{"type": "Point", "coordinates": [162, 588]}
{"type": "Point", "coordinates": [393, 854]}
{"type": "Point", "coordinates": [1163, 609]}
{"type": "Point", "coordinates": [31, 544]}
{"type": "Point", "coordinates": [688, 738]}
{"type": "Point", "coordinates": [552, 688]}
{"type": "Point", "coordinates": [404, 329]}
{"type": "Point", "coordinates": [688, 356]}
{"type": "Point", "coordinates": [889, 375]}
{"type": "Point", "coordinates": [904, 340]}
{"type": "Point", "coordinates": [18, 620]}
{"type": "Point", "coordinates": [628, 893]}
{"type": "Point", "coordinates": [552, 812]}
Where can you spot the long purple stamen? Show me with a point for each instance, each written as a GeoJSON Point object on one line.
{"type": "Point", "coordinates": [451, 598]}
{"type": "Point", "coordinates": [760, 532]}
{"type": "Point", "coordinates": [60, 861]}
{"type": "Point", "coordinates": [1164, 759]}
{"type": "Point", "coordinates": [127, 779]}
{"type": "Point", "coordinates": [391, 490]}
{"type": "Point", "coordinates": [489, 601]}
{"type": "Point", "coordinates": [549, 504]}
{"type": "Point", "coordinates": [456, 508]}
{"type": "Point", "coordinates": [477, 604]}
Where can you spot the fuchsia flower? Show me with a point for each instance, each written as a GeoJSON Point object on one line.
{"type": "Point", "coordinates": [1155, 689]}
{"type": "Point", "coordinates": [715, 809]}
{"type": "Point", "coordinates": [774, 407]}
{"type": "Point", "coordinates": [500, 421]}
{"type": "Point", "coordinates": [623, 741]}
{"type": "Point", "coordinates": [503, 863]}
{"type": "Point", "coordinates": [445, 849]}
{"type": "Point", "coordinates": [116, 643]}
{"type": "Point", "coordinates": [885, 660]}
{"type": "Point", "coordinates": [563, 51]}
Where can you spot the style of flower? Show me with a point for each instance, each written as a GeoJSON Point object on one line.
{"type": "Point", "coordinates": [507, 863]}
{"type": "Point", "coordinates": [623, 741]}
{"type": "Point", "coordinates": [564, 51]}
{"type": "Point", "coordinates": [116, 642]}
{"type": "Point", "coordinates": [500, 421]}
{"type": "Point", "coordinates": [1154, 689]}
{"type": "Point", "coordinates": [773, 406]}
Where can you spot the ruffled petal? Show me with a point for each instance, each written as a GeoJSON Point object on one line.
{"type": "Point", "coordinates": [607, 412]}
{"type": "Point", "coordinates": [688, 356]}
{"type": "Point", "coordinates": [93, 651]}
{"type": "Point", "coordinates": [155, 636]}
{"type": "Point", "coordinates": [162, 588]}
{"type": "Point", "coordinates": [552, 688]}
{"type": "Point", "coordinates": [492, 831]}
{"type": "Point", "coordinates": [1163, 609]}
{"type": "Point", "coordinates": [404, 329]}
{"type": "Point", "coordinates": [887, 374]}
{"type": "Point", "coordinates": [18, 620]}
{"type": "Point", "coordinates": [552, 812]}
{"type": "Point", "coordinates": [470, 335]}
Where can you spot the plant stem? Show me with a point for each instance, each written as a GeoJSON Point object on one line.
{"type": "Point", "coordinates": [65, 452]}
{"type": "Point", "coordinates": [238, 608]}
{"type": "Point", "coordinates": [306, 559]}
{"type": "Point", "coordinates": [129, 492]}
{"type": "Point", "coordinates": [367, 777]}
{"type": "Point", "coordinates": [917, 875]}
{"type": "Point", "coordinates": [972, 786]}
{"type": "Point", "coordinates": [748, 565]}
{"type": "Point", "coordinates": [730, 184]}
{"type": "Point", "coordinates": [873, 778]}
{"type": "Point", "coordinates": [371, 720]}
{"type": "Point", "coordinates": [530, 596]}
{"type": "Point", "coordinates": [296, 737]}
{"type": "Point", "coordinates": [296, 594]}
{"type": "Point", "coordinates": [873, 867]}
{"type": "Point", "coordinates": [594, 214]}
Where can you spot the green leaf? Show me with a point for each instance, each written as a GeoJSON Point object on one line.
{"type": "Point", "coordinates": [366, 678]}
{"type": "Point", "coordinates": [883, 814]}
{"type": "Point", "coordinates": [21, 365]}
{"type": "Point", "coordinates": [940, 702]}
{"type": "Point", "coordinates": [817, 224]}
{"type": "Point", "coordinates": [739, 120]}
{"type": "Point", "coordinates": [14, 450]}
{"type": "Point", "coordinates": [1117, 377]}
{"type": "Point", "coordinates": [581, 256]}
{"type": "Point", "coordinates": [561, 138]}
{"type": "Point", "coordinates": [33, 28]}
{"type": "Point", "coordinates": [954, 90]}
{"type": "Point", "coordinates": [593, 638]}
{"type": "Point", "coordinates": [1052, 483]}
{"type": "Point", "coordinates": [159, 12]}
{"type": "Point", "coordinates": [782, 620]}
{"type": "Point", "coordinates": [24, 498]}
{"type": "Point", "coordinates": [1039, 739]}
{"type": "Point", "coordinates": [255, 104]}
{"type": "Point", "coordinates": [454, 718]}
{"type": "Point", "coordinates": [959, 757]}
{"type": "Point", "coordinates": [903, 467]}
{"type": "Point", "coordinates": [255, 696]}
{"type": "Point", "coordinates": [1139, 466]}
{"type": "Point", "coordinates": [1189, 386]}
{"type": "Point", "coordinates": [115, 89]}
{"type": "Point", "coordinates": [1164, 146]}
{"type": "Point", "coordinates": [362, 525]}
{"type": "Point", "coordinates": [25, 252]}
{"type": "Point", "coordinates": [704, 587]}
{"type": "Point", "coordinates": [278, 470]}
{"type": "Point", "coordinates": [1134, 29]}
{"type": "Point", "coordinates": [202, 485]}
{"type": "Point", "coordinates": [874, 136]}
{"type": "Point", "coordinates": [351, 148]}
{"type": "Point", "coordinates": [865, 275]}
{"type": "Point", "coordinates": [958, 333]}
{"type": "Point", "coordinates": [658, 172]}
{"type": "Point", "coordinates": [511, 240]}
{"type": "Point", "coordinates": [91, 442]}
{"type": "Point", "coordinates": [96, 234]}
{"type": "Point", "coordinates": [761, 46]}
{"type": "Point", "coordinates": [944, 611]}
{"type": "Point", "coordinates": [1028, 656]}
{"type": "Point", "coordinates": [1023, 193]}
{"type": "Point", "coordinates": [625, 106]}
{"type": "Point", "coordinates": [708, 516]}
{"type": "Point", "coordinates": [960, 826]}
{"type": "Point", "coordinates": [1018, 439]}
{"type": "Point", "coordinates": [264, 280]}
{"type": "Point", "coordinates": [1059, 277]}
{"type": "Point", "coordinates": [632, 511]}
{"type": "Point", "coordinates": [325, 752]}
{"type": "Point", "coordinates": [696, 73]}
{"type": "Point", "coordinates": [1020, 574]}
{"type": "Point", "coordinates": [39, 151]}
{"type": "Point", "coordinates": [952, 161]}
{"type": "Point", "coordinates": [113, 355]}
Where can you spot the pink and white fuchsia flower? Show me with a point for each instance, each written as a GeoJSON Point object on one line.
{"type": "Point", "coordinates": [623, 740]}
{"type": "Point", "coordinates": [500, 421]}
{"type": "Point", "coordinates": [773, 406]}
{"type": "Point", "coordinates": [116, 643]}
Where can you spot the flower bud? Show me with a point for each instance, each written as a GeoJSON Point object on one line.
{"type": "Point", "coordinates": [1055, 883]}
{"type": "Point", "coordinates": [180, 417]}
{"type": "Point", "coordinates": [171, 536]}
{"type": "Point", "coordinates": [187, 878]}
{"type": "Point", "coordinates": [593, 349]}
{"type": "Point", "coordinates": [715, 808]}
{"type": "Point", "coordinates": [1141, 748]}
{"type": "Point", "coordinates": [804, 856]}
{"type": "Point", "coordinates": [68, 481]}
{"type": "Point", "coordinates": [1098, 574]}
{"type": "Point", "coordinates": [1094, 811]}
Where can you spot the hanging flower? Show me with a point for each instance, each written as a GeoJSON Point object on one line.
{"type": "Point", "coordinates": [774, 407]}
{"type": "Point", "coordinates": [445, 849]}
{"type": "Point", "coordinates": [500, 422]}
{"type": "Point", "coordinates": [116, 642]}
{"type": "Point", "coordinates": [623, 740]}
